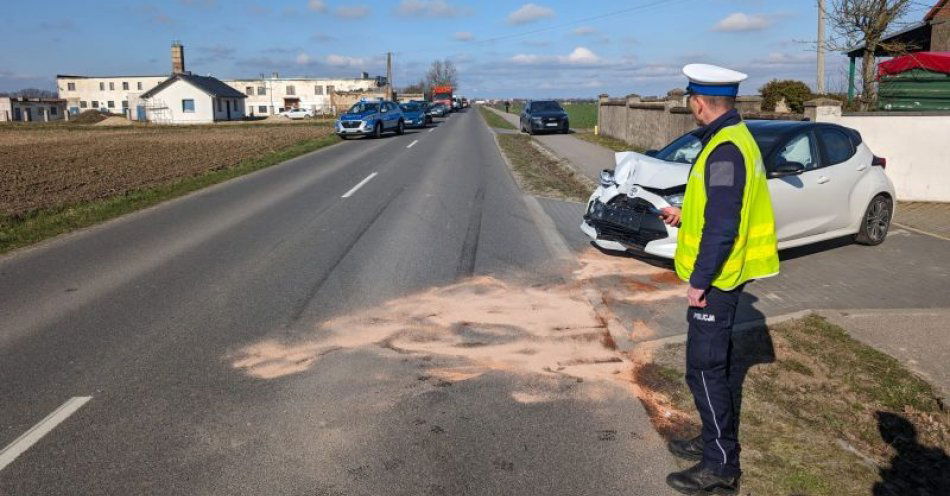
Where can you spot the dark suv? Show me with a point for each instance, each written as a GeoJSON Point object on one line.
{"type": "Point", "coordinates": [544, 115]}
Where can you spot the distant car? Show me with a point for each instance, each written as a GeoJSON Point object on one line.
{"type": "Point", "coordinates": [414, 114]}
{"type": "Point", "coordinates": [438, 110]}
{"type": "Point", "coordinates": [824, 182]}
{"type": "Point", "coordinates": [298, 113]}
{"type": "Point", "coordinates": [426, 108]}
{"type": "Point", "coordinates": [544, 116]}
{"type": "Point", "coordinates": [371, 118]}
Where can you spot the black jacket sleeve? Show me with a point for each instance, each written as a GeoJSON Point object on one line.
{"type": "Point", "coordinates": [725, 184]}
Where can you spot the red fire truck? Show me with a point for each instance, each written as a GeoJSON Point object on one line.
{"type": "Point", "coordinates": [442, 94]}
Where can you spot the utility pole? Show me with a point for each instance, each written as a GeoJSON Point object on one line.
{"type": "Point", "coordinates": [821, 47]}
{"type": "Point", "coordinates": [389, 75]}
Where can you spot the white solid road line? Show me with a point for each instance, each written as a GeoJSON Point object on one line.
{"type": "Point", "coordinates": [412, 144]}
{"type": "Point", "coordinates": [30, 437]}
{"type": "Point", "coordinates": [358, 186]}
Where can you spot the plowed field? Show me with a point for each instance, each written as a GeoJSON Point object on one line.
{"type": "Point", "coordinates": [54, 166]}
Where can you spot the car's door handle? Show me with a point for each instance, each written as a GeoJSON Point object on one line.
{"type": "Point", "coordinates": [823, 179]}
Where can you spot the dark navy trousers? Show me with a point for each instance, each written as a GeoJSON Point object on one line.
{"type": "Point", "coordinates": [708, 346]}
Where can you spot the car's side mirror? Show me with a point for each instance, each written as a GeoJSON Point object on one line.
{"type": "Point", "coordinates": [385, 110]}
{"type": "Point", "coordinates": [786, 169]}
{"type": "Point", "coordinates": [651, 153]}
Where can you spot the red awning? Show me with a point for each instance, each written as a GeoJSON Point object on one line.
{"type": "Point", "coordinates": [931, 61]}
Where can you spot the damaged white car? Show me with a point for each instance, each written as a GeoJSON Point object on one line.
{"type": "Point", "coordinates": [824, 181]}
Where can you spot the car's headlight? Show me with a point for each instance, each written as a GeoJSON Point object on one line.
{"type": "Point", "coordinates": [607, 178]}
{"type": "Point", "coordinates": [675, 200]}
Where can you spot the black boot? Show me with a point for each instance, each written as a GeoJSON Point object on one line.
{"type": "Point", "coordinates": [698, 480]}
{"type": "Point", "coordinates": [687, 449]}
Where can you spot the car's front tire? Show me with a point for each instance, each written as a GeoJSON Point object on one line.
{"type": "Point", "coordinates": [378, 131]}
{"type": "Point", "coordinates": [876, 221]}
{"type": "Point", "coordinates": [400, 128]}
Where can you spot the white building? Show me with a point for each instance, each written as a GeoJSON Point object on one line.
{"type": "Point", "coordinates": [115, 94]}
{"type": "Point", "coordinates": [272, 95]}
{"type": "Point", "coordinates": [190, 99]}
{"type": "Point", "coordinates": [24, 109]}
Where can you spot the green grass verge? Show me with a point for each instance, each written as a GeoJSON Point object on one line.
{"type": "Point", "coordinates": [608, 142]}
{"type": "Point", "coordinates": [494, 120]}
{"type": "Point", "coordinates": [821, 414]}
{"type": "Point", "coordinates": [540, 174]}
{"type": "Point", "coordinates": [19, 231]}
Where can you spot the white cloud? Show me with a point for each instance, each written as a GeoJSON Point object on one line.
{"type": "Point", "coordinates": [785, 59]}
{"type": "Point", "coordinates": [463, 36]}
{"type": "Point", "coordinates": [429, 8]}
{"type": "Point", "coordinates": [303, 58]}
{"type": "Point", "coordinates": [584, 31]}
{"type": "Point", "coordinates": [579, 56]}
{"type": "Point", "coordinates": [529, 12]}
{"type": "Point", "coordinates": [317, 5]}
{"type": "Point", "coordinates": [345, 61]}
{"type": "Point", "coordinates": [740, 22]}
{"type": "Point", "coordinates": [352, 12]}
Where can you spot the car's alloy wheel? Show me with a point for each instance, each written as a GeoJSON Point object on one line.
{"type": "Point", "coordinates": [876, 221]}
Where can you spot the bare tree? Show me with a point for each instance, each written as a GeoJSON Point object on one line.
{"type": "Point", "coordinates": [857, 22]}
{"type": "Point", "coordinates": [442, 72]}
{"type": "Point", "coordinates": [31, 93]}
{"type": "Point", "coordinates": [419, 87]}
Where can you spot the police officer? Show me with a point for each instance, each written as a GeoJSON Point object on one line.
{"type": "Point", "coordinates": [726, 238]}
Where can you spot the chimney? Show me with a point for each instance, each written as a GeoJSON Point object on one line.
{"type": "Point", "coordinates": [178, 58]}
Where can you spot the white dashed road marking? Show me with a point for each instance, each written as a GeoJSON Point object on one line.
{"type": "Point", "coordinates": [358, 186]}
{"type": "Point", "coordinates": [433, 129]}
{"type": "Point", "coordinates": [30, 437]}
{"type": "Point", "coordinates": [412, 144]}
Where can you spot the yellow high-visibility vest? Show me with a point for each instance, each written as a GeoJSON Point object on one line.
{"type": "Point", "coordinates": [755, 252]}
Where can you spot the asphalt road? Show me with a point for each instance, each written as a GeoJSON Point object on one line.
{"type": "Point", "coordinates": [142, 315]}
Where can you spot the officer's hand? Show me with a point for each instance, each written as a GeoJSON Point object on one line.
{"type": "Point", "coordinates": [696, 297]}
{"type": "Point", "coordinates": [671, 215]}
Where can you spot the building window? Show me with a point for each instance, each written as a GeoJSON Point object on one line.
{"type": "Point", "coordinates": [318, 90]}
{"type": "Point", "coordinates": [102, 86]}
{"type": "Point", "coordinates": [261, 90]}
{"type": "Point", "coordinates": [110, 104]}
{"type": "Point", "coordinates": [71, 86]}
{"type": "Point", "coordinates": [262, 109]}
{"type": "Point", "coordinates": [111, 86]}
{"type": "Point", "coordinates": [125, 85]}
{"type": "Point", "coordinates": [290, 90]}
{"type": "Point", "coordinates": [82, 104]}
{"type": "Point", "coordinates": [138, 85]}
{"type": "Point", "coordinates": [52, 110]}
{"type": "Point", "coordinates": [249, 91]}
{"type": "Point", "coordinates": [188, 105]}
{"type": "Point", "coordinates": [329, 89]}
{"type": "Point", "coordinates": [125, 104]}
{"type": "Point", "coordinates": [95, 104]}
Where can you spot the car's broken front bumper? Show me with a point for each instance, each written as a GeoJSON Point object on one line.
{"type": "Point", "coordinates": [629, 223]}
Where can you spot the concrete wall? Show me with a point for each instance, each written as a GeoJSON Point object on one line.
{"type": "Point", "coordinates": [31, 111]}
{"type": "Point", "coordinates": [915, 144]}
{"type": "Point", "coordinates": [651, 123]}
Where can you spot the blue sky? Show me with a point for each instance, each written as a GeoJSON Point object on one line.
{"type": "Point", "coordinates": [566, 48]}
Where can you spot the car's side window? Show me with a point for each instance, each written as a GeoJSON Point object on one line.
{"type": "Point", "coordinates": [837, 146]}
{"type": "Point", "coordinates": [800, 149]}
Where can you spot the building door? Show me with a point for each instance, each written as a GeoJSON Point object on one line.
{"type": "Point", "coordinates": [227, 103]}
{"type": "Point", "coordinates": [16, 114]}
{"type": "Point", "coordinates": [140, 112]}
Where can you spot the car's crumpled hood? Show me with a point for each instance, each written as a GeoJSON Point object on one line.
{"type": "Point", "coordinates": [634, 168]}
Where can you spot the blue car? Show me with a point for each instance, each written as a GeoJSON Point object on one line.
{"type": "Point", "coordinates": [414, 113]}
{"type": "Point", "coordinates": [371, 118]}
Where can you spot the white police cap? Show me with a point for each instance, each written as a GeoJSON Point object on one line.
{"type": "Point", "coordinates": [706, 79]}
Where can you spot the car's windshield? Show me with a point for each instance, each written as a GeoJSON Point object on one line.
{"type": "Point", "coordinates": [545, 107]}
{"type": "Point", "coordinates": [684, 150]}
{"type": "Point", "coordinates": [443, 96]}
{"type": "Point", "coordinates": [362, 107]}
{"type": "Point", "coordinates": [410, 107]}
